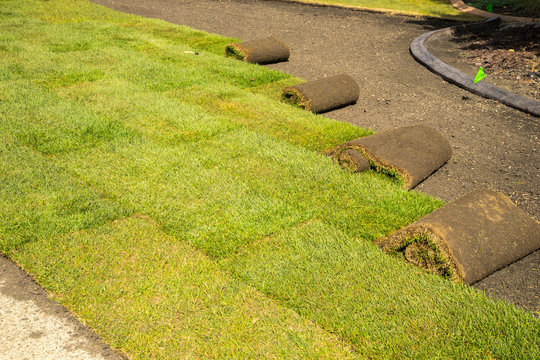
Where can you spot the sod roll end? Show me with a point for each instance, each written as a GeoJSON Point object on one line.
{"type": "Point", "coordinates": [469, 238]}
{"type": "Point", "coordinates": [261, 51]}
{"type": "Point", "coordinates": [324, 94]}
{"type": "Point", "coordinates": [412, 152]}
{"type": "Point", "coordinates": [353, 160]}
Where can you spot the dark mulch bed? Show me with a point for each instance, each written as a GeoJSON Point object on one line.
{"type": "Point", "coordinates": [509, 9]}
{"type": "Point", "coordinates": [510, 53]}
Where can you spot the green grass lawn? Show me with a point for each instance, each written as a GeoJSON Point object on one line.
{"type": "Point", "coordinates": [173, 204]}
{"type": "Point", "coordinates": [437, 8]}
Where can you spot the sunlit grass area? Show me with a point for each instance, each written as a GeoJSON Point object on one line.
{"type": "Point", "coordinates": [436, 8]}
{"type": "Point", "coordinates": [173, 204]}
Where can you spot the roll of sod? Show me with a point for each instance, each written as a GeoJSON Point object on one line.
{"type": "Point", "coordinates": [469, 238]}
{"type": "Point", "coordinates": [412, 153]}
{"type": "Point", "coordinates": [261, 51]}
{"type": "Point", "coordinates": [324, 94]}
{"type": "Point", "coordinates": [354, 160]}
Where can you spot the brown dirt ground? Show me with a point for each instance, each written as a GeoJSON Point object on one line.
{"type": "Point", "coordinates": [494, 146]}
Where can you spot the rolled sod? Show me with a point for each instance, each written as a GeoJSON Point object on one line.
{"type": "Point", "coordinates": [324, 94]}
{"type": "Point", "coordinates": [261, 51]}
{"type": "Point", "coordinates": [469, 238]}
{"type": "Point", "coordinates": [412, 152]}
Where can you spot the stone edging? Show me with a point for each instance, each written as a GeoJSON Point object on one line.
{"type": "Point", "coordinates": [454, 76]}
{"type": "Point", "coordinates": [461, 6]}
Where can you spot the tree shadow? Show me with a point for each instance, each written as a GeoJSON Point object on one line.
{"type": "Point", "coordinates": [433, 23]}
{"type": "Point", "coordinates": [507, 37]}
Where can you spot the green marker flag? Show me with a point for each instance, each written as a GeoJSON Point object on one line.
{"type": "Point", "coordinates": [480, 75]}
{"type": "Point", "coordinates": [490, 7]}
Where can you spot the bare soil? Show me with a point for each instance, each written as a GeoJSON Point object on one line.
{"type": "Point", "coordinates": [494, 146]}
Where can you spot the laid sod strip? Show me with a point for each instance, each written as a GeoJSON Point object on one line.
{"type": "Point", "coordinates": [324, 94]}
{"type": "Point", "coordinates": [412, 152]}
{"type": "Point", "coordinates": [49, 123]}
{"type": "Point", "coordinates": [152, 296]}
{"type": "Point", "coordinates": [469, 238]}
{"type": "Point", "coordinates": [131, 68]}
{"type": "Point", "coordinates": [262, 114]}
{"type": "Point", "coordinates": [387, 308]}
{"type": "Point", "coordinates": [154, 115]}
{"type": "Point", "coordinates": [261, 51]}
{"type": "Point", "coordinates": [39, 200]}
{"type": "Point", "coordinates": [201, 145]}
{"type": "Point", "coordinates": [195, 113]}
{"type": "Point", "coordinates": [226, 191]}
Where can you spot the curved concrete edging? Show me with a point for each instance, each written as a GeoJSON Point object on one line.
{"type": "Point", "coordinates": [461, 6]}
{"type": "Point", "coordinates": [454, 76]}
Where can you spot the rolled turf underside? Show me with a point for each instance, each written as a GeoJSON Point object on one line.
{"type": "Point", "coordinates": [260, 51]}
{"type": "Point", "coordinates": [412, 152]}
{"type": "Point", "coordinates": [324, 94]}
{"type": "Point", "coordinates": [469, 238]}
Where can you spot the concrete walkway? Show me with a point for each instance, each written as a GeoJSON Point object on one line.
{"type": "Point", "coordinates": [32, 327]}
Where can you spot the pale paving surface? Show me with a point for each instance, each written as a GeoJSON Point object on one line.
{"type": "Point", "coordinates": [28, 332]}
{"type": "Point", "coordinates": [32, 326]}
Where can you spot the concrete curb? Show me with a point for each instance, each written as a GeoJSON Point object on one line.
{"type": "Point", "coordinates": [456, 77]}
{"type": "Point", "coordinates": [33, 326]}
{"type": "Point", "coordinates": [461, 6]}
